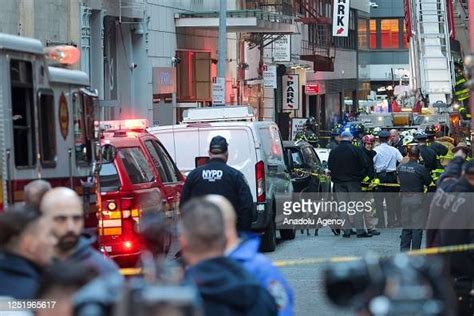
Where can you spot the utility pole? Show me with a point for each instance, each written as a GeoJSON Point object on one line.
{"type": "Point", "coordinates": [222, 48]}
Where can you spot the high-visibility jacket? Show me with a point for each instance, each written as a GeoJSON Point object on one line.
{"type": "Point", "coordinates": [461, 92]}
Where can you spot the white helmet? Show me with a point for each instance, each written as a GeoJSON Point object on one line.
{"type": "Point", "coordinates": [407, 140]}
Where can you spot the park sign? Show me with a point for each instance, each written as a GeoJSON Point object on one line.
{"type": "Point", "coordinates": [291, 92]}
{"type": "Point", "coordinates": [340, 18]}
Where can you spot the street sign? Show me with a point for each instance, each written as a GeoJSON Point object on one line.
{"type": "Point", "coordinates": [282, 48]}
{"type": "Point", "coordinates": [313, 89]}
{"type": "Point", "coordinates": [291, 92]}
{"type": "Point", "coordinates": [218, 92]}
{"type": "Point", "coordinates": [297, 125]}
{"type": "Point", "coordinates": [340, 17]}
{"type": "Point", "coordinates": [270, 78]}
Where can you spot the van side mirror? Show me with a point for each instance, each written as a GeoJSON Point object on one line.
{"type": "Point", "coordinates": [109, 152]}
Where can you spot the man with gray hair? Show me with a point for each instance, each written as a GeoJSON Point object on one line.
{"type": "Point", "coordinates": [225, 287]}
{"type": "Point", "coordinates": [396, 142]}
{"type": "Point", "coordinates": [34, 192]}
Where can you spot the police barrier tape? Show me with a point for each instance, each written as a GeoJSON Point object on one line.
{"type": "Point", "coordinates": [315, 261]}
{"type": "Point", "coordinates": [420, 252]}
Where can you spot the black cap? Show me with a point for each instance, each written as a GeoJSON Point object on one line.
{"type": "Point", "coordinates": [218, 145]}
{"type": "Point", "coordinates": [384, 134]}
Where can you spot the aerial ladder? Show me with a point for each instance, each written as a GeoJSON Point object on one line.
{"type": "Point", "coordinates": [430, 52]}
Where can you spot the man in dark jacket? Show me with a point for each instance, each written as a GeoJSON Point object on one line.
{"type": "Point", "coordinates": [412, 177]}
{"type": "Point", "coordinates": [225, 287]}
{"type": "Point", "coordinates": [244, 250]}
{"type": "Point", "coordinates": [216, 177]}
{"type": "Point", "coordinates": [450, 176]}
{"type": "Point", "coordinates": [64, 208]}
{"type": "Point", "coordinates": [457, 228]}
{"type": "Point", "coordinates": [27, 247]}
{"type": "Point", "coordinates": [348, 167]}
{"type": "Point", "coordinates": [427, 152]}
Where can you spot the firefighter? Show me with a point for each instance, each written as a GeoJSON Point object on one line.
{"type": "Point", "coordinates": [461, 91]}
{"type": "Point", "coordinates": [368, 141]}
{"type": "Point", "coordinates": [412, 178]}
{"type": "Point", "coordinates": [309, 133]}
{"type": "Point", "coordinates": [439, 148]}
{"type": "Point", "coordinates": [216, 177]}
{"type": "Point", "coordinates": [428, 155]}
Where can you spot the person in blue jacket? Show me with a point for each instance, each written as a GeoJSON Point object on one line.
{"type": "Point", "coordinates": [244, 250]}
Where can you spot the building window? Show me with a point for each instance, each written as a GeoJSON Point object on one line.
{"type": "Point", "coordinates": [193, 76]}
{"type": "Point", "coordinates": [47, 129]}
{"type": "Point", "coordinates": [23, 112]}
{"type": "Point", "coordinates": [362, 34]}
{"type": "Point", "coordinates": [390, 33]}
{"type": "Point", "coordinates": [373, 33]}
{"type": "Point", "coordinates": [83, 115]}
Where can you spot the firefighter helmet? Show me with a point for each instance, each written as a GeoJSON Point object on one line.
{"type": "Point", "coordinates": [408, 139]}
{"type": "Point", "coordinates": [368, 139]}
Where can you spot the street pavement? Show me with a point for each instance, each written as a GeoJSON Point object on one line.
{"type": "Point", "coordinates": [307, 280]}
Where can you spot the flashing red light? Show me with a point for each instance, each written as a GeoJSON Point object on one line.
{"type": "Point", "coordinates": [127, 244]}
{"type": "Point", "coordinates": [65, 55]}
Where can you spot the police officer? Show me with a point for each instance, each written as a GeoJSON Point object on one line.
{"type": "Point", "coordinates": [348, 167]}
{"type": "Point", "coordinates": [216, 177]}
{"type": "Point", "coordinates": [385, 164]}
{"type": "Point", "coordinates": [412, 177]}
{"type": "Point", "coordinates": [335, 139]}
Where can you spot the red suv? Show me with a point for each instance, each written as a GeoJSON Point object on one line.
{"type": "Point", "coordinates": [139, 176]}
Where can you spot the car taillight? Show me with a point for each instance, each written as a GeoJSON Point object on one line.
{"type": "Point", "coordinates": [127, 244]}
{"type": "Point", "coordinates": [126, 208]}
{"type": "Point", "coordinates": [260, 181]}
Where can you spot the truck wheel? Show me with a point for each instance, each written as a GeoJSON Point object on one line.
{"type": "Point", "coordinates": [269, 238]}
{"type": "Point", "coordinates": [287, 234]}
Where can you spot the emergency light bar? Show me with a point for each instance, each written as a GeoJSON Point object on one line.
{"type": "Point", "coordinates": [219, 114]}
{"type": "Point", "coordinates": [64, 55]}
{"type": "Point", "coordinates": [137, 124]}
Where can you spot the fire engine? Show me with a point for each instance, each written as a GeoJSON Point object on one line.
{"type": "Point", "coordinates": [46, 118]}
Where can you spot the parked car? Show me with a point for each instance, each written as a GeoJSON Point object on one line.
{"type": "Point", "coordinates": [306, 169]}
{"type": "Point", "coordinates": [137, 175]}
{"type": "Point", "coordinates": [255, 148]}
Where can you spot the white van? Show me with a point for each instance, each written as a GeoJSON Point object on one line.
{"type": "Point", "coordinates": [255, 148]}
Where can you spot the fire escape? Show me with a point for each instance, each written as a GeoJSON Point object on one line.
{"type": "Point", "coordinates": [318, 47]}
